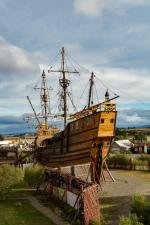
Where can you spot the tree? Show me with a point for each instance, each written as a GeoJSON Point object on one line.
{"type": "Point", "coordinates": [9, 176]}
{"type": "Point", "coordinates": [120, 134]}
{"type": "Point", "coordinates": [139, 137]}
{"type": "Point", "coordinates": [1, 137]}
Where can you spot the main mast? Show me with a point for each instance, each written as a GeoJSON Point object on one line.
{"type": "Point", "coordinates": [44, 97]}
{"type": "Point", "coordinates": [64, 83]}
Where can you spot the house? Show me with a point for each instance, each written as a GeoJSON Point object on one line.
{"type": "Point", "coordinates": [5, 142]}
{"type": "Point", "coordinates": [141, 148]}
{"type": "Point", "coordinates": [121, 145]}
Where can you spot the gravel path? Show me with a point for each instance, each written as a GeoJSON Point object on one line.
{"type": "Point", "coordinates": [126, 183]}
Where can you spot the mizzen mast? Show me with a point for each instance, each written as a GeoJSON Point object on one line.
{"type": "Point", "coordinates": [90, 100]}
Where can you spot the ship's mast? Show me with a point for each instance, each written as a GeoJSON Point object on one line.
{"type": "Point", "coordinates": [44, 98]}
{"type": "Point", "coordinates": [64, 83]}
{"type": "Point", "coordinates": [91, 90]}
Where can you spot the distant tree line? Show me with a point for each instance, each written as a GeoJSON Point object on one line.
{"type": "Point", "coordinates": [1, 137]}
{"type": "Point", "coordinates": [122, 134]}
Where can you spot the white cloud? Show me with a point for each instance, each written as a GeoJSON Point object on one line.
{"type": "Point", "coordinates": [19, 71]}
{"type": "Point", "coordinates": [135, 2]}
{"type": "Point", "coordinates": [133, 117]}
{"type": "Point", "coordinates": [90, 7]}
{"type": "Point", "coordinates": [96, 7]}
{"type": "Point", "coordinates": [132, 85]}
{"type": "Point", "coordinates": [14, 59]}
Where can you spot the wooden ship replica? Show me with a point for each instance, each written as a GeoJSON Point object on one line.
{"type": "Point", "coordinates": [87, 135]}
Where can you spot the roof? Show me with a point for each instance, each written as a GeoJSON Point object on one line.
{"type": "Point", "coordinates": [124, 143]}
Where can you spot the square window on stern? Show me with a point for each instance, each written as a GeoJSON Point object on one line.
{"type": "Point", "coordinates": [111, 120]}
{"type": "Point", "coordinates": [102, 120]}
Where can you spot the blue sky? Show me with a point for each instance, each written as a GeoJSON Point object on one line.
{"type": "Point", "coordinates": [109, 37]}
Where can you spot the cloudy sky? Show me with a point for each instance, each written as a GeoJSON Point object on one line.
{"type": "Point", "coordinates": [110, 37]}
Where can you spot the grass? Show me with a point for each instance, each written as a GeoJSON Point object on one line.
{"type": "Point", "coordinates": [59, 208]}
{"type": "Point", "coordinates": [20, 212]}
{"type": "Point", "coordinates": [142, 175]}
{"type": "Point", "coordinates": [16, 210]}
{"type": "Point", "coordinates": [18, 194]}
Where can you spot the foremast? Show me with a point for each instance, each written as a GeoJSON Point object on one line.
{"type": "Point", "coordinates": [44, 96]}
{"type": "Point", "coordinates": [42, 117]}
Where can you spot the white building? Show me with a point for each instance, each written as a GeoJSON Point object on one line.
{"type": "Point", "coordinates": [121, 145]}
{"type": "Point", "coordinates": [5, 142]}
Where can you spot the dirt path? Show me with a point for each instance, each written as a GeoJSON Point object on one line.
{"type": "Point", "coordinates": [116, 196]}
{"type": "Point", "coordinates": [46, 211]}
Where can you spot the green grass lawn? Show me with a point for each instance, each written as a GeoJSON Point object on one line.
{"type": "Point", "coordinates": [20, 212]}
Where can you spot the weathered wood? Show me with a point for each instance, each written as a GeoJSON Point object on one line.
{"type": "Point", "coordinates": [79, 142]}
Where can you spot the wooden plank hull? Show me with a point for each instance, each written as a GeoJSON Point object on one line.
{"type": "Point", "coordinates": [81, 142]}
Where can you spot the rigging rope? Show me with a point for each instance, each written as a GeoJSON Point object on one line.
{"type": "Point", "coordinates": [118, 89]}
{"type": "Point", "coordinates": [87, 84]}
{"type": "Point", "coordinates": [96, 92]}
{"type": "Point", "coordinates": [104, 85]}
{"type": "Point", "coordinates": [54, 59]}
{"type": "Point", "coordinates": [80, 66]}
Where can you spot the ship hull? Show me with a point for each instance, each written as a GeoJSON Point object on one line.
{"type": "Point", "coordinates": [83, 140]}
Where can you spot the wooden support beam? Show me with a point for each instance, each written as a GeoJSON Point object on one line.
{"type": "Point", "coordinates": [106, 166]}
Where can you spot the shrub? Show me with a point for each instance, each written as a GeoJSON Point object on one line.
{"type": "Point", "coordinates": [100, 221]}
{"type": "Point", "coordinates": [119, 159]}
{"type": "Point", "coordinates": [9, 176]}
{"type": "Point", "coordinates": [141, 207]}
{"type": "Point", "coordinates": [144, 157]}
{"type": "Point", "coordinates": [124, 160]}
{"type": "Point", "coordinates": [132, 219]}
{"type": "Point", "coordinates": [34, 176]}
{"type": "Point", "coordinates": [140, 212]}
{"type": "Point", "coordinates": [95, 222]}
{"type": "Point", "coordinates": [138, 162]}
